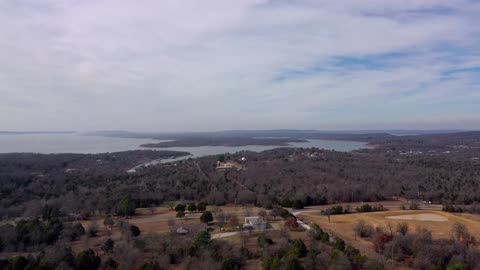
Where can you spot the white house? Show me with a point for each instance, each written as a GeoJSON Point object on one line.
{"type": "Point", "coordinates": [256, 223]}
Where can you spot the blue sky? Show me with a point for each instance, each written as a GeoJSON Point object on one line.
{"type": "Point", "coordinates": [251, 64]}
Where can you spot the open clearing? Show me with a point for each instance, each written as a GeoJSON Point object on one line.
{"type": "Point", "coordinates": [156, 221]}
{"type": "Point", "coordinates": [439, 222]}
{"type": "Point", "coordinates": [342, 225]}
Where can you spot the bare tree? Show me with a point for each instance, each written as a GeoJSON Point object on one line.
{"type": "Point", "coordinates": [152, 209]}
{"type": "Point", "coordinates": [248, 212]}
{"type": "Point", "coordinates": [171, 224]}
{"type": "Point", "coordinates": [220, 218]}
{"type": "Point", "coordinates": [244, 236]}
{"type": "Point", "coordinates": [402, 228]}
{"type": "Point", "coordinates": [262, 213]}
{"type": "Point", "coordinates": [216, 210]}
{"type": "Point", "coordinates": [460, 231]}
{"type": "Point", "coordinates": [363, 229]}
{"type": "Point", "coordinates": [127, 254]}
{"type": "Point", "coordinates": [390, 228]}
{"type": "Point", "coordinates": [233, 221]}
{"type": "Point", "coordinates": [92, 229]}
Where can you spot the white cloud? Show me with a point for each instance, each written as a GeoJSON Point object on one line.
{"type": "Point", "coordinates": [197, 65]}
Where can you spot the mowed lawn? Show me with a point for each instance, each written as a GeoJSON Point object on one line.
{"type": "Point", "coordinates": [342, 225]}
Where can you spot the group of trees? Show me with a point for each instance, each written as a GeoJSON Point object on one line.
{"type": "Point", "coordinates": [276, 251]}
{"type": "Point", "coordinates": [28, 235]}
{"type": "Point", "coordinates": [191, 207]}
{"type": "Point", "coordinates": [474, 208]}
{"type": "Point", "coordinates": [419, 250]}
{"type": "Point", "coordinates": [55, 258]}
{"type": "Point", "coordinates": [325, 252]}
{"type": "Point", "coordinates": [60, 256]}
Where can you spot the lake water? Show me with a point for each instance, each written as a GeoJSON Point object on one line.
{"type": "Point", "coordinates": [77, 143]}
{"type": "Point", "coordinates": [67, 143]}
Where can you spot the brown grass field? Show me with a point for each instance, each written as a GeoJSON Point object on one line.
{"type": "Point", "coordinates": [156, 223]}
{"type": "Point", "coordinates": [342, 225]}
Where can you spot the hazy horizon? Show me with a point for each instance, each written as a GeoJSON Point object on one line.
{"type": "Point", "coordinates": [166, 66]}
{"type": "Point", "coordinates": [92, 132]}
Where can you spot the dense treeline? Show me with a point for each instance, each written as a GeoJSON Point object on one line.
{"type": "Point", "coordinates": [152, 252]}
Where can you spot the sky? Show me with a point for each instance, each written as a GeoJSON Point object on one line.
{"type": "Point", "coordinates": [175, 65]}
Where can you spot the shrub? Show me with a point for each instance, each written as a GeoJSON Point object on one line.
{"type": "Point", "coordinates": [134, 230]}
{"type": "Point", "coordinates": [297, 204]}
{"type": "Point", "coordinates": [87, 260]}
{"type": "Point", "coordinates": [298, 248]}
{"type": "Point", "coordinates": [460, 231]}
{"type": "Point", "coordinates": [206, 217]}
{"type": "Point", "coordinates": [456, 266]}
{"type": "Point", "coordinates": [368, 208]}
{"type": "Point", "coordinates": [373, 265]}
{"type": "Point", "coordinates": [19, 263]}
{"type": "Point", "coordinates": [109, 264]}
{"type": "Point", "coordinates": [77, 231]}
{"type": "Point", "coordinates": [192, 207]}
{"type": "Point", "coordinates": [231, 264]}
{"type": "Point", "coordinates": [291, 223]}
{"type": "Point", "coordinates": [414, 206]}
{"type": "Point", "coordinates": [380, 240]}
{"type": "Point", "coordinates": [92, 229]}
{"type": "Point", "coordinates": [126, 207]}
{"type": "Point", "coordinates": [108, 221]}
{"type": "Point", "coordinates": [280, 211]}
{"type": "Point", "coordinates": [180, 214]}
{"type": "Point", "coordinates": [201, 206]}
{"type": "Point", "coordinates": [150, 266]}
{"type": "Point", "coordinates": [334, 210]}
{"type": "Point", "coordinates": [402, 228]}
{"type": "Point", "coordinates": [108, 245]}
{"type": "Point", "coordinates": [363, 229]}
{"type": "Point", "coordinates": [340, 244]}
{"type": "Point", "coordinates": [263, 240]}
{"type": "Point", "coordinates": [286, 203]}
{"type": "Point", "coordinates": [180, 207]}
{"type": "Point", "coordinates": [202, 239]}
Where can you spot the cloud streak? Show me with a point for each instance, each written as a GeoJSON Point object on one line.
{"type": "Point", "coordinates": [189, 65]}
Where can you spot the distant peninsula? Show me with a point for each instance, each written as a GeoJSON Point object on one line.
{"type": "Point", "coordinates": [223, 141]}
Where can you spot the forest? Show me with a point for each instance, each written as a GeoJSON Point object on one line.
{"type": "Point", "coordinates": [442, 171]}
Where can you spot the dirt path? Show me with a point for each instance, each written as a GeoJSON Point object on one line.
{"type": "Point", "coordinates": [223, 235]}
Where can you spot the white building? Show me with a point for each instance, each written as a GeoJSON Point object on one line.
{"type": "Point", "coordinates": [255, 223]}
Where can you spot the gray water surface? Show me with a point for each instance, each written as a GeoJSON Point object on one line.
{"type": "Point", "coordinates": [77, 143]}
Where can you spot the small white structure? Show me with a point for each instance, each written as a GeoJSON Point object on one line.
{"type": "Point", "coordinates": [255, 223]}
{"type": "Point", "coordinates": [181, 231]}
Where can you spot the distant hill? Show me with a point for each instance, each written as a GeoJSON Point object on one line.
{"type": "Point", "coordinates": [34, 132]}
{"type": "Point", "coordinates": [276, 133]}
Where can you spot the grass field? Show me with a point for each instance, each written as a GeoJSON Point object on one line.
{"type": "Point", "coordinates": [156, 221]}
{"type": "Point", "coordinates": [342, 225]}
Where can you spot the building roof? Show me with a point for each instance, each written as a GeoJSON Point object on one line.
{"type": "Point", "coordinates": [254, 220]}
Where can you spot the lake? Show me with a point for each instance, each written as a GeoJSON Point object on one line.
{"type": "Point", "coordinates": [77, 143]}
